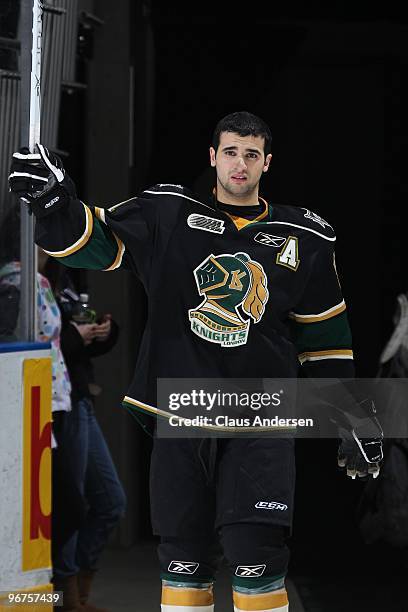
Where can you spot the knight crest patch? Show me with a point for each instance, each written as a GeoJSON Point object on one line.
{"type": "Point", "coordinates": [232, 286]}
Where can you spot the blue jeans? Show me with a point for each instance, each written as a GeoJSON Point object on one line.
{"type": "Point", "coordinates": [87, 463]}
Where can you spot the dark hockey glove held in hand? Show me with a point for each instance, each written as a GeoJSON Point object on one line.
{"type": "Point", "coordinates": [39, 180]}
{"type": "Point", "coordinates": [360, 452]}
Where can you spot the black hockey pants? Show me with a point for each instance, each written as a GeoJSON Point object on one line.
{"type": "Point", "coordinates": [222, 496]}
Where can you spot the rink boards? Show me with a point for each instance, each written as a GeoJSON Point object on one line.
{"type": "Point", "coordinates": [25, 476]}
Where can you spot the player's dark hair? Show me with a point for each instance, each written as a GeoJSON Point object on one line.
{"type": "Point", "coordinates": [243, 124]}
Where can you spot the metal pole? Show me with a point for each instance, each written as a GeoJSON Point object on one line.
{"type": "Point", "coordinates": [30, 68]}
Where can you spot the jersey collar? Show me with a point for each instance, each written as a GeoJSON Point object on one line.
{"type": "Point", "coordinates": [241, 222]}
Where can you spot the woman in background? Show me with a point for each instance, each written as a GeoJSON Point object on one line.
{"type": "Point", "coordinates": [88, 499]}
{"type": "Point", "coordinates": [89, 455]}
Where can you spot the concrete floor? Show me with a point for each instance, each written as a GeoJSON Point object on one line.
{"type": "Point", "coordinates": [128, 582]}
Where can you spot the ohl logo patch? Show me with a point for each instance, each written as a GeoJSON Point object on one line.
{"type": "Point", "coordinates": [233, 286]}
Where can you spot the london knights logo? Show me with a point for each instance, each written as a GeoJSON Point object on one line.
{"type": "Point", "coordinates": [233, 286]}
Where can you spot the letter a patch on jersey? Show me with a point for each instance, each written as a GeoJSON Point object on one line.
{"type": "Point", "coordinates": [289, 255]}
{"type": "Point", "coordinates": [232, 286]}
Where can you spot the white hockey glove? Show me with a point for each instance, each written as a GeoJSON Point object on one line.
{"type": "Point", "coordinates": [40, 181]}
{"type": "Point", "coordinates": [360, 452]}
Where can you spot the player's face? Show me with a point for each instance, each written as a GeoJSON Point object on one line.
{"type": "Point", "coordinates": [239, 162]}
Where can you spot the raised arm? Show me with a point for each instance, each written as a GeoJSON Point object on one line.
{"type": "Point", "coordinates": [65, 227]}
{"type": "Point", "coordinates": [80, 236]}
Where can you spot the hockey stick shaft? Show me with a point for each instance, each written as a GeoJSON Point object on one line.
{"type": "Point", "coordinates": [35, 86]}
{"type": "Point", "coordinates": [30, 96]}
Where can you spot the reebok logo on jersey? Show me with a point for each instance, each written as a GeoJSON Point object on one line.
{"type": "Point", "coordinates": [250, 571]}
{"type": "Point", "coordinates": [183, 567]}
{"type": "Point", "coordinates": [263, 505]}
{"type": "Point", "coordinates": [313, 217]}
{"type": "Point", "coordinates": [208, 224]}
{"type": "Point", "coordinates": [269, 239]}
{"type": "Point", "coordinates": [228, 282]}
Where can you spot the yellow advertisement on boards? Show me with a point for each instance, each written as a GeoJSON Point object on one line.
{"type": "Point", "coordinates": [37, 390]}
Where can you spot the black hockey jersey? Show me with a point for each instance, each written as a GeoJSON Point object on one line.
{"type": "Point", "coordinates": [228, 297]}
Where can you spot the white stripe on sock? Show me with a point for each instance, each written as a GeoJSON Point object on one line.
{"type": "Point", "coordinates": [280, 609]}
{"type": "Point", "coordinates": [167, 608]}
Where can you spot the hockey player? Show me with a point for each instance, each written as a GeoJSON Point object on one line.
{"type": "Point", "coordinates": [236, 288]}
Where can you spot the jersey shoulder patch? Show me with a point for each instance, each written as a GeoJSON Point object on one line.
{"type": "Point", "coordinates": [306, 219]}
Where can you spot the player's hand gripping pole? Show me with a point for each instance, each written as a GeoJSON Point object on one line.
{"type": "Point", "coordinates": [40, 181]}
